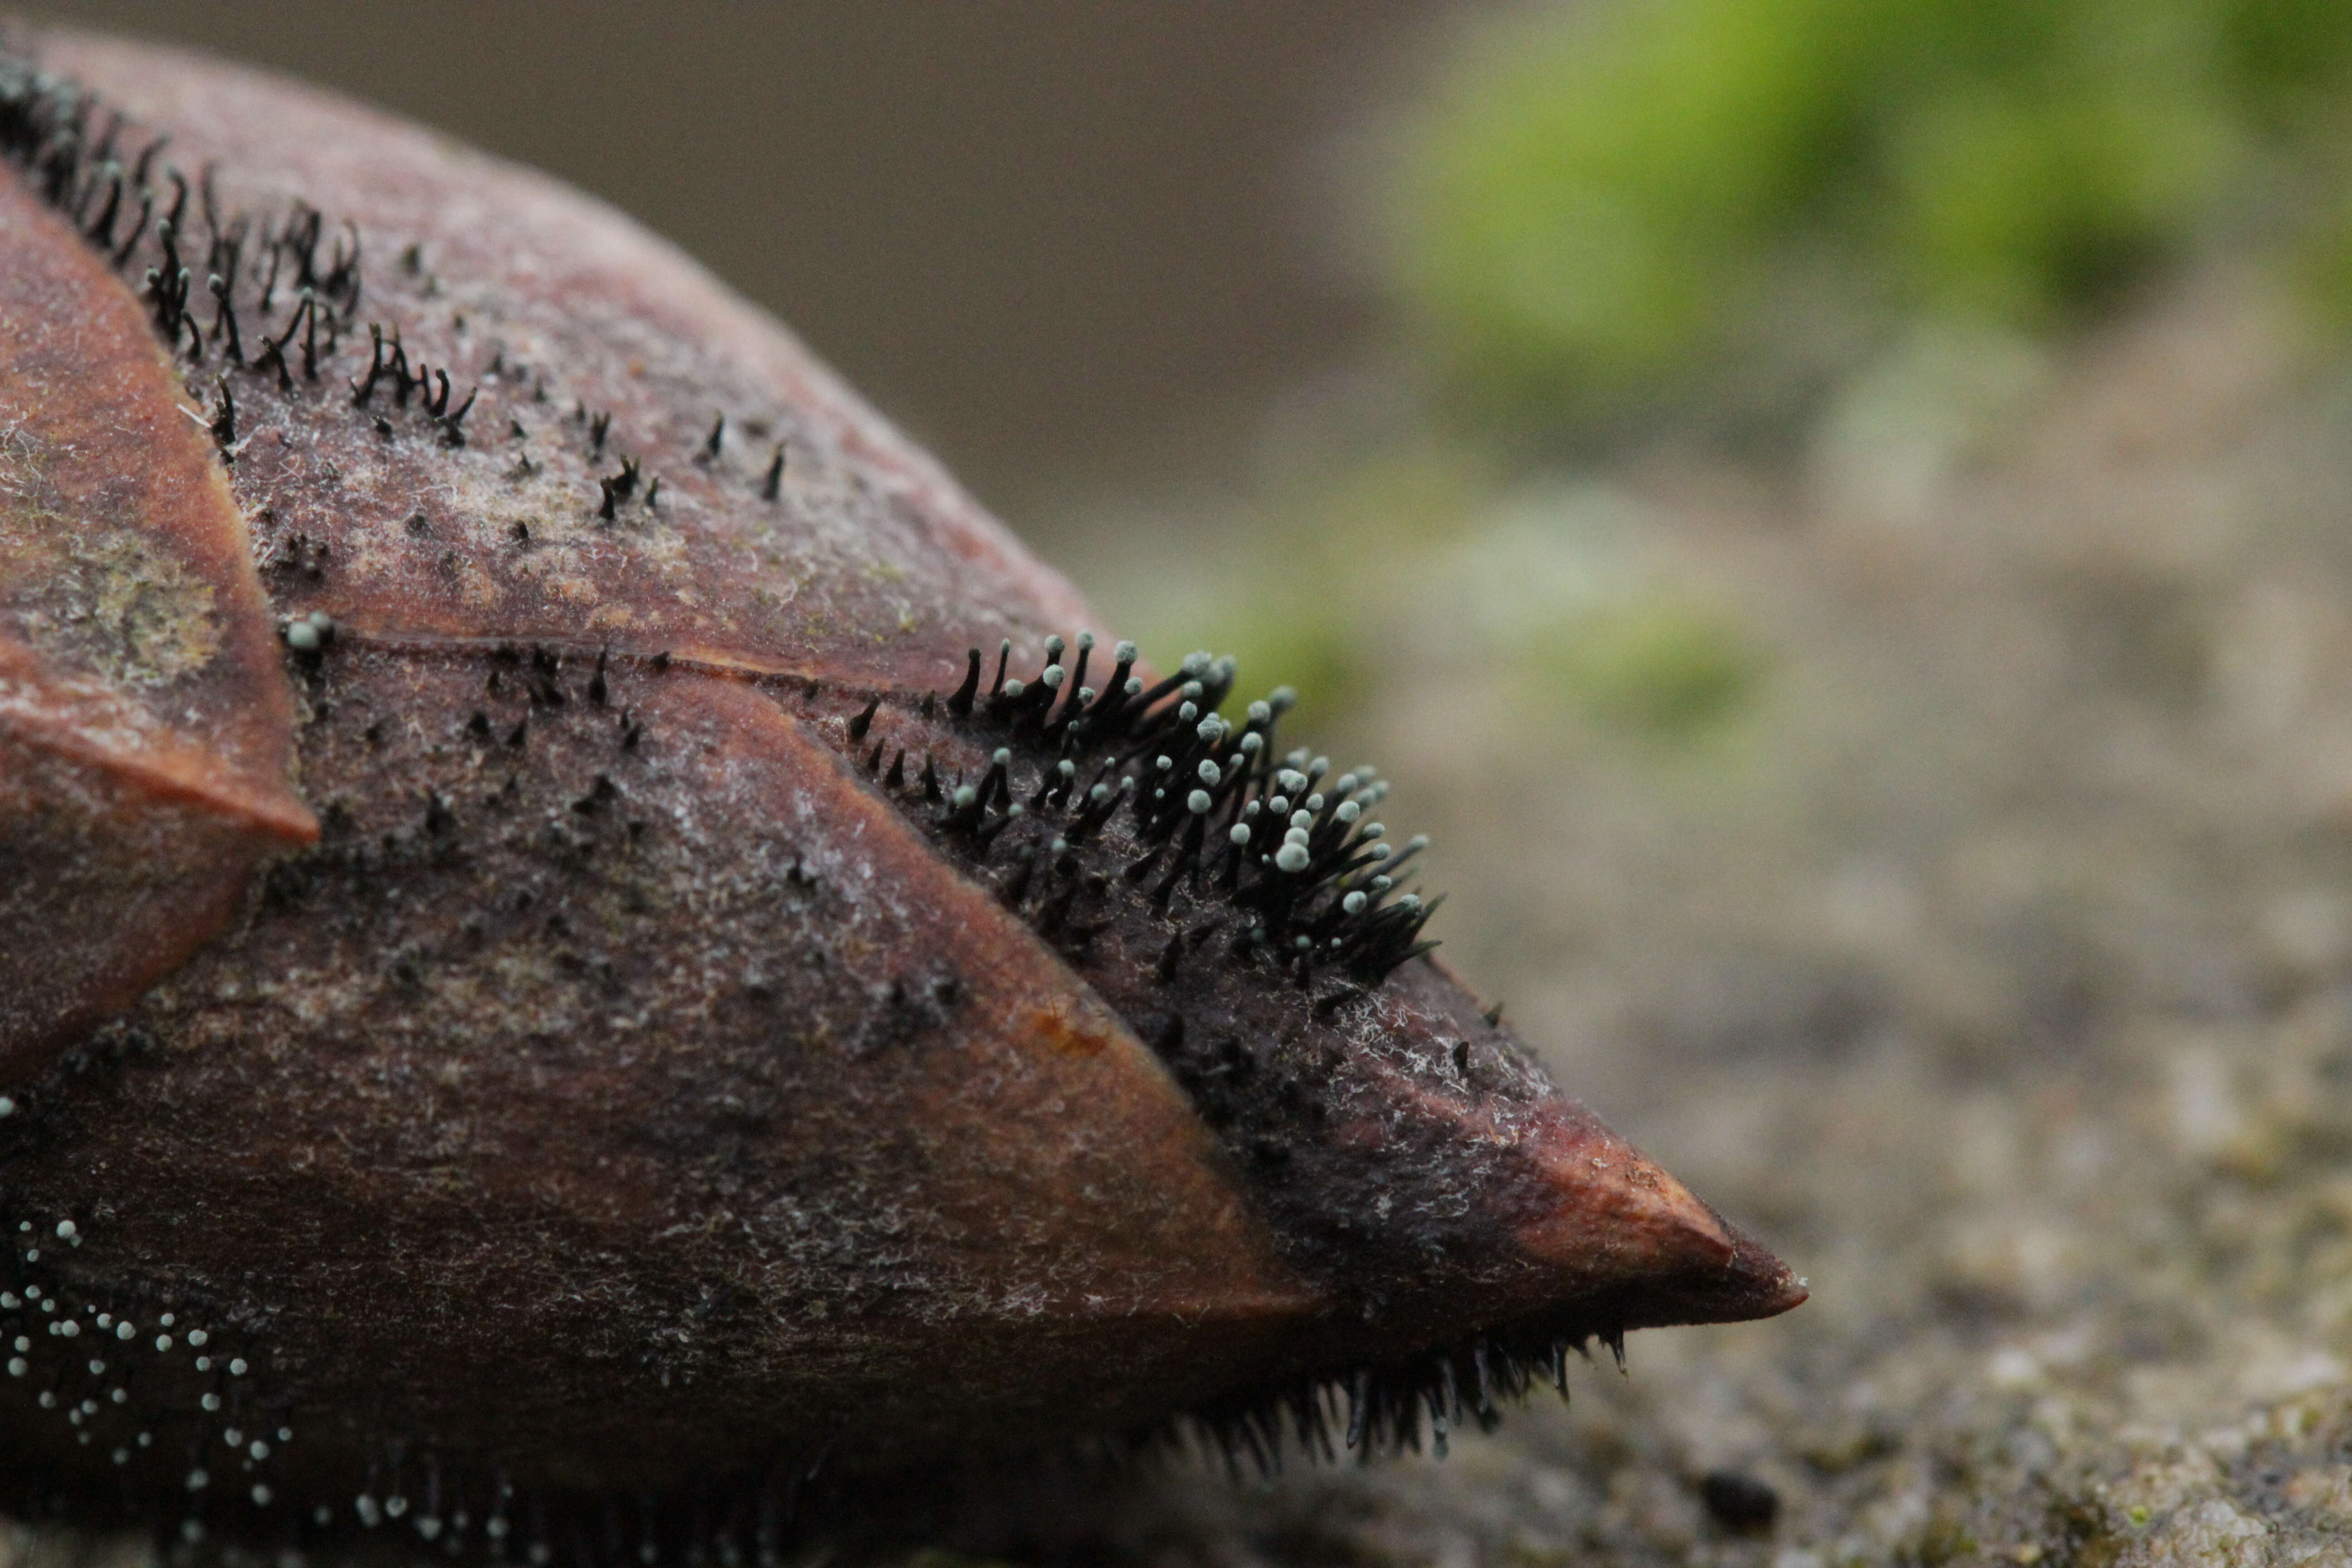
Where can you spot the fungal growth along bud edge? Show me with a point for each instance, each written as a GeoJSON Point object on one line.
{"type": "Point", "coordinates": [588, 939]}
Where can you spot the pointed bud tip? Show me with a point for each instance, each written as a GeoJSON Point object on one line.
{"type": "Point", "coordinates": [1609, 1223]}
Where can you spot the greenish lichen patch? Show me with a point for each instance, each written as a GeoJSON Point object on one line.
{"type": "Point", "coordinates": [93, 593]}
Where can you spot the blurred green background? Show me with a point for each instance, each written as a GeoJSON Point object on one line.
{"type": "Point", "coordinates": [1623, 202]}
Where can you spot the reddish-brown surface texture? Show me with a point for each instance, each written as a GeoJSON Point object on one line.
{"type": "Point", "coordinates": [144, 728]}
{"type": "Point", "coordinates": [637, 1084]}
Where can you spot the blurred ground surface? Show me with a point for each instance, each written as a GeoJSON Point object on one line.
{"type": "Point", "coordinates": [1994, 962]}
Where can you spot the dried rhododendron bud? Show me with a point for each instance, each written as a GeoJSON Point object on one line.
{"type": "Point", "coordinates": [578, 943]}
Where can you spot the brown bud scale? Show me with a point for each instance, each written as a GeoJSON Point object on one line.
{"type": "Point", "coordinates": [576, 941]}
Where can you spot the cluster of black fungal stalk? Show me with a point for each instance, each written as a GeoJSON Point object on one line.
{"type": "Point", "coordinates": [615, 490]}
{"type": "Point", "coordinates": [388, 361]}
{"type": "Point", "coordinates": [618, 488]}
{"type": "Point", "coordinates": [73, 155]}
{"type": "Point", "coordinates": [772, 477]}
{"type": "Point", "coordinates": [46, 130]}
{"type": "Point", "coordinates": [1211, 802]}
{"type": "Point", "coordinates": [71, 150]}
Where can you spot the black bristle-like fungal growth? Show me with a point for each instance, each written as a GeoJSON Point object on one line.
{"type": "Point", "coordinates": [363, 387]}
{"type": "Point", "coordinates": [452, 421]}
{"type": "Point", "coordinates": [1210, 806]}
{"type": "Point", "coordinates": [119, 211]}
{"type": "Point", "coordinates": [223, 425]}
{"type": "Point", "coordinates": [614, 488]}
{"type": "Point", "coordinates": [224, 318]}
{"type": "Point", "coordinates": [1267, 904]}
